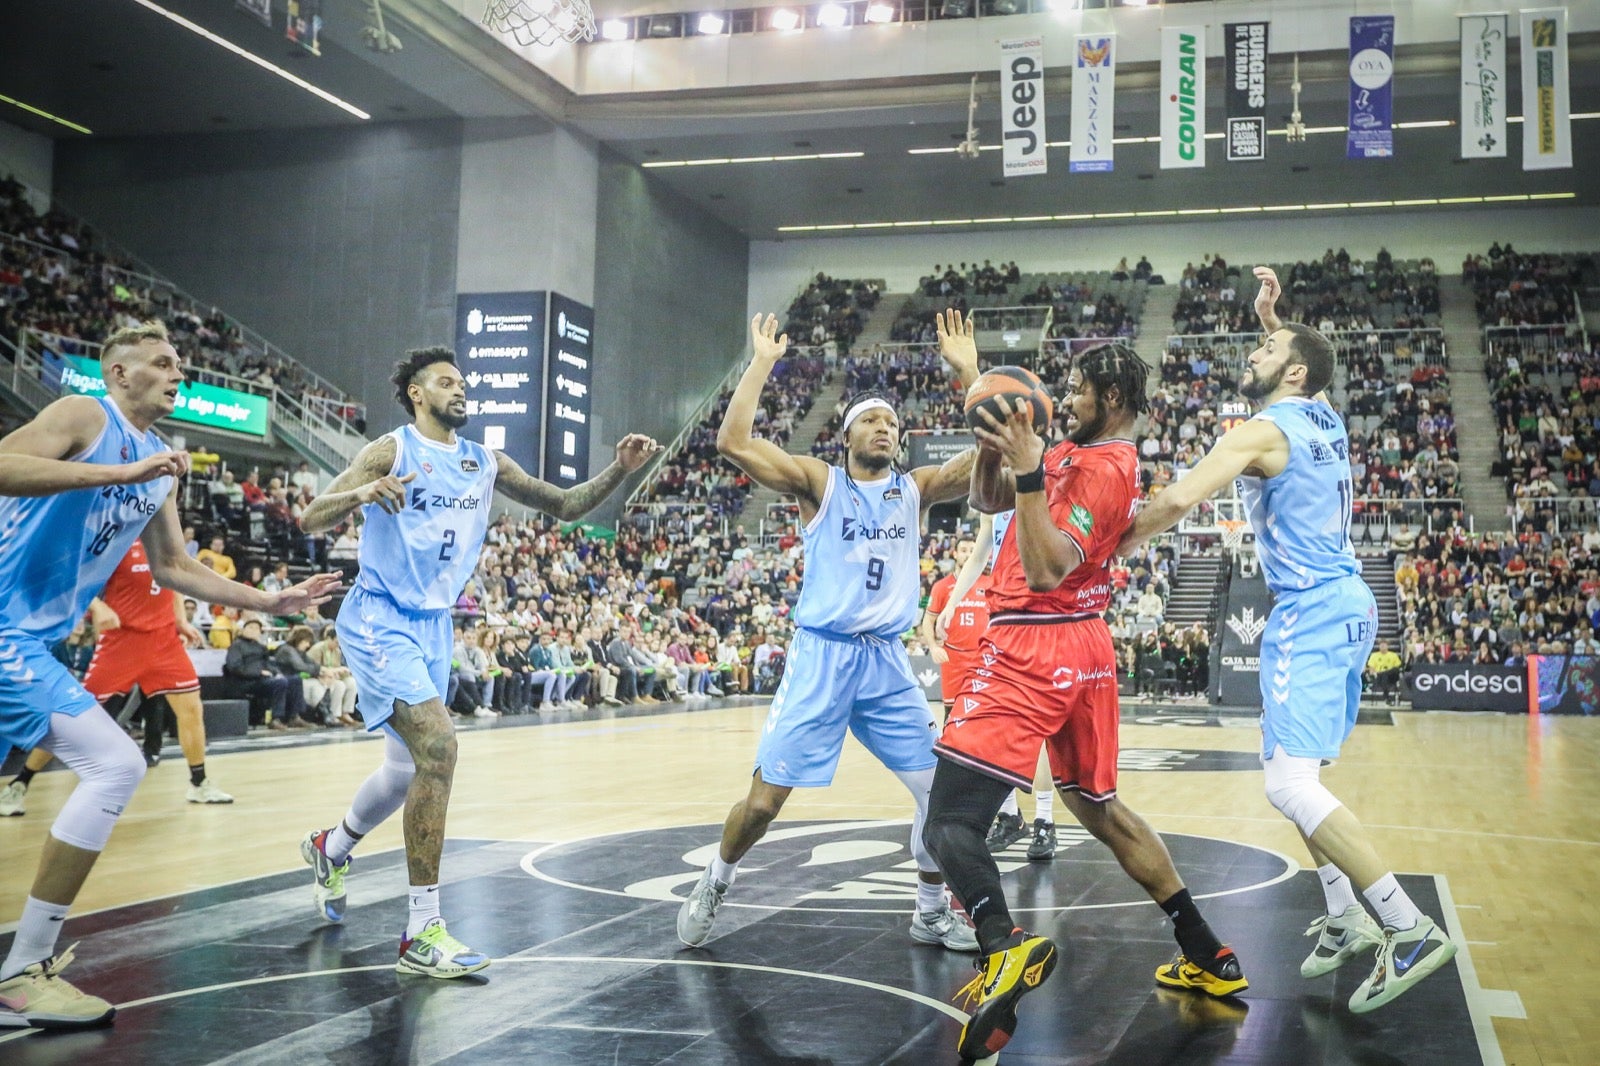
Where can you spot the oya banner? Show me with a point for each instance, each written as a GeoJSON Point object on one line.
{"type": "Point", "coordinates": [1022, 106]}
{"type": "Point", "coordinates": [1094, 70]}
{"type": "Point", "coordinates": [1546, 109]}
{"type": "Point", "coordinates": [1483, 86]}
{"type": "Point", "coordinates": [1245, 59]}
{"type": "Point", "coordinates": [1371, 133]}
{"type": "Point", "coordinates": [1183, 97]}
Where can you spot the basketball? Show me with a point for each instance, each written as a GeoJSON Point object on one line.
{"type": "Point", "coordinates": [1014, 383]}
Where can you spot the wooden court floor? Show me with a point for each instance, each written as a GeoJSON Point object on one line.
{"type": "Point", "coordinates": [1506, 809]}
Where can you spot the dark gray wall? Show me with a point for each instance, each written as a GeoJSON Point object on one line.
{"type": "Point", "coordinates": [670, 284]}
{"type": "Point", "coordinates": [338, 245]}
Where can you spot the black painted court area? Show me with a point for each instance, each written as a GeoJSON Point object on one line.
{"type": "Point", "coordinates": [811, 964]}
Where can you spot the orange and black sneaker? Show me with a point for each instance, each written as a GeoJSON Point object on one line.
{"type": "Point", "coordinates": [1217, 976]}
{"type": "Point", "coordinates": [1004, 976]}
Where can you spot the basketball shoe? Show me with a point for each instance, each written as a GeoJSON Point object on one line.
{"type": "Point", "coordinates": [699, 911]}
{"type": "Point", "coordinates": [1004, 976]}
{"type": "Point", "coordinates": [1043, 844]}
{"type": "Point", "coordinates": [39, 998]}
{"type": "Point", "coordinates": [327, 877]}
{"type": "Point", "coordinates": [945, 928]}
{"type": "Point", "coordinates": [1006, 831]}
{"type": "Point", "coordinates": [1219, 976]}
{"type": "Point", "coordinates": [1339, 939]}
{"type": "Point", "coordinates": [206, 792]}
{"type": "Point", "coordinates": [435, 953]}
{"type": "Point", "coordinates": [1405, 957]}
{"type": "Point", "coordinates": [12, 800]}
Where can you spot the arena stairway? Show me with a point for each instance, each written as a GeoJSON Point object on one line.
{"type": "Point", "coordinates": [1194, 591]}
{"type": "Point", "coordinates": [1477, 433]}
{"type": "Point", "coordinates": [1378, 572]}
{"type": "Point", "coordinates": [1155, 324]}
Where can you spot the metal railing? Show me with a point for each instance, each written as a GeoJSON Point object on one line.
{"type": "Point", "coordinates": [1556, 515]}
{"type": "Point", "coordinates": [1549, 338]}
{"type": "Point", "coordinates": [64, 345]}
{"type": "Point", "coordinates": [1373, 520]}
{"type": "Point", "coordinates": [641, 495]}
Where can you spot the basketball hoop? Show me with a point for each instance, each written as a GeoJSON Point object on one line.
{"type": "Point", "coordinates": [541, 22]}
{"type": "Point", "coordinates": [1233, 531]}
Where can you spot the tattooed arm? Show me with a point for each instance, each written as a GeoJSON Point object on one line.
{"type": "Point", "coordinates": [569, 505]}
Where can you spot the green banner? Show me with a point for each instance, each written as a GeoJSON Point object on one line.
{"type": "Point", "coordinates": [202, 405]}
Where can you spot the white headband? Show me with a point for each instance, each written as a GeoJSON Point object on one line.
{"type": "Point", "coordinates": [858, 409]}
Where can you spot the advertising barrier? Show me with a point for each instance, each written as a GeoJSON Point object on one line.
{"type": "Point", "coordinates": [1467, 687]}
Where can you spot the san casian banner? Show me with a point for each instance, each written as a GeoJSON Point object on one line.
{"type": "Point", "coordinates": [1022, 106]}
{"type": "Point", "coordinates": [1483, 86]}
{"type": "Point", "coordinates": [1094, 71]}
{"type": "Point", "coordinates": [1546, 109]}
{"type": "Point", "coordinates": [1183, 97]}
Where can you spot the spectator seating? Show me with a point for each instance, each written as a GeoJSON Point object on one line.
{"type": "Point", "coordinates": [1511, 288]}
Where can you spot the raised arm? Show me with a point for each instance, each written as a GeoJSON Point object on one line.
{"type": "Point", "coordinates": [941, 484]}
{"type": "Point", "coordinates": [993, 488]}
{"type": "Point", "coordinates": [569, 505]}
{"type": "Point", "coordinates": [33, 458]}
{"type": "Point", "coordinates": [765, 462]}
{"type": "Point", "coordinates": [1256, 447]}
{"type": "Point", "coordinates": [367, 480]}
{"type": "Point", "coordinates": [1266, 298]}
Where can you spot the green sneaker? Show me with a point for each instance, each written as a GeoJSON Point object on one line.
{"type": "Point", "coordinates": [435, 953]}
{"type": "Point", "coordinates": [1404, 958]}
{"type": "Point", "coordinates": [327, 878]}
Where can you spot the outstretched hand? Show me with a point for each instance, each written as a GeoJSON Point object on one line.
{"type": "Point", "coordinates": [769, 344]}
{"type": "Point", "coordinates": [388, 492]}
{"type": "Point", "coordinates": [161, 464]}
{"type": "Point", "coordinates": [1267, 297]}
{"type": "Point", "coordinates": [957, 345]}
{"type": "Point", "coordinates": [317, 589]}
{"type": "Point", "coordinates": [634, 450]}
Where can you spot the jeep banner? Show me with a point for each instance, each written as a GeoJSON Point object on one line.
{"type": "Point", "coordinates": [1244, 618]}
{"type": "Point", "coordinates": [1022, 106]}
{"type": "Point", "coordinates": [1468, 687]}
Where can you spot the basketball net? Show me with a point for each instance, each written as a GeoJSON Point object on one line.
{"type": "Point", "coordinates": [1233, 531]}
{"type": "Point", "coordinates": [541, 22]}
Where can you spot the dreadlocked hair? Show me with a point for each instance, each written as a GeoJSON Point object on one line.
{"type": "Point", "coordinates": [1116, 366]}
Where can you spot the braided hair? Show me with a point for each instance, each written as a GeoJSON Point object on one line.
{"type": "Point", "coordinates": [1116, 366]}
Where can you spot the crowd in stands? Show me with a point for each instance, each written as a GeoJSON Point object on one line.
{"type": "Point", "coordinates": [1547, 410]}
{"type": "Point", "coordinates": [1333, 293]}
{"type": "Point", "coordinates": [58, 279]}
{"type": "Point", "coordinates": [1511, 288]}
{"type": "Point", "coordinates": [828, 316]}
{"type": "Point", "coordinates": [979, 279]}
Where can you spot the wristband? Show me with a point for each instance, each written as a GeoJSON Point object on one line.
{"type": "Point", "coordinates": [1032, 481]}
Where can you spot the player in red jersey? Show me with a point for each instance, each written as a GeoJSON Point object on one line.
{"type": "Point", "coordinates": [1047, 674]}
{"type": "Point", "coordinates": [140, 635]}
{"type": "Point", "coordinates": [955, 647]}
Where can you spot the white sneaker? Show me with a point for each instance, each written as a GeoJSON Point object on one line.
{"type": "Point", "coordinates": [1340, 939]}
{"type": "Point", "coordinates": [573, 705]}
{"type": "Point", "coordinates": [547, 706]}
{"type": "Point", "coordinates": [1404, 958]}
{"type": "Point", "coordinates": [11, 799]}
{"type": "Point", "coordinates": [39, 998]}
{"type": "Point", "coordinates": [714, 691]}
{"type": "Point", "coordinates": [699, 911]}
{"type": "Point", "coordinates": [486, 712]}
{"type": "Point", "coordinates": [206, 792]}
{"type": "Point", "coordinates": [945, 928]}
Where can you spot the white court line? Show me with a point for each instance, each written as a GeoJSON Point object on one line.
{"type": "Point", "coordinates": [625, 960]}
{"type": "Point", "coordinates": [1290, 868]}
{"type": "Point", "coordinates": [1483, 1004]}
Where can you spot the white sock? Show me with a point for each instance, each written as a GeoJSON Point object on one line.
{"type": "Point", "coordinates": [1337, 890]}
{"type": "Point", "coordinates": [930, 897]}
{"type": "Point", "coordinates": [36, 936]}
{"type": "Point", "coordinates": [1010, 806]}
{"type": "Point", "coordinates": [424, 908]}
{"type": "Point", "coordinates": [1042, 805]}
{"type": "Point", "coordinates": [339, 843]}
{"type": "Point", "coordinates": [1394, 907]}
{"type": "Point", "coordinates": [723, 871]}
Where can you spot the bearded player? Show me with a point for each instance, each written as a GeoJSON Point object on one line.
{"type": "Point", "coordinates": [1048, 676]}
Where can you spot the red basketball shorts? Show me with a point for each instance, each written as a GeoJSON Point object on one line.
{"type": "Point", "coordinates": [1035, 683]}
{"type": "Point", "coordinates": [953, 674]}
{"type": "Point", "coordinates": [156, 662]}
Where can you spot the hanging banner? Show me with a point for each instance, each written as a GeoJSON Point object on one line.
{"type": "Point", "coordinates": [1245, 60]}
{"type": "Point", "coordinates": [1022, 106]}
{"type": "Point", "coordinates": [1483, 86]}
{"type": "Point", "coordinates": [261, 9]}
{"type": "Point", "coordinates": [1094, 70]}
{"type": "Point", "coordinates": [1183, 96]}
{"type": "Point", "coordinates": [1371, 133]}
{"type": "Point", "coordinates": [1546, 109]}
{"type": "Point", "coordinates": [305, 25]}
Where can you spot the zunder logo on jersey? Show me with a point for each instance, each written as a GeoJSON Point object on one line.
{"type": "Point", "coordinates": [854, 528]}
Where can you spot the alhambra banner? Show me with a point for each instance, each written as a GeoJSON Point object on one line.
{"type": "Point", "coordinates": [1546, 108]}
{"type": "Point", "coordinates": [1183, 96]}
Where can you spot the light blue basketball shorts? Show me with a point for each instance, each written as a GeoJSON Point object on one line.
{"type": "Point", "coordinates": [394, 654]}
{"type": "Point", "coordinates": [833, 682]}
{"type": "Point", "coordinates": [1312, 653]}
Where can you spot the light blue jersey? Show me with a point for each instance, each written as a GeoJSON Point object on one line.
{"type": "Point", "coordinates": [861, 553]}
{"type": "Point", "coordinates": [422, 557]}
{"type": "Point", "coordinates": [1301, 518]}
{"type": "Point", "coordinates": [57, 552]}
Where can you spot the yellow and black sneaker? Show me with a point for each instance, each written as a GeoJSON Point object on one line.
{"type": "Point", "coordinates": [1004, 977]}
{"type": "Point", "coordinates": [1219, 976]}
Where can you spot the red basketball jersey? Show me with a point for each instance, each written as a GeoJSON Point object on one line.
{"type": "Point", "coordinates": [969, 619]}
{"type": "Point", "coordinates": [138, 600]}
{"type": "Point", "coordinates": [1092, 490]}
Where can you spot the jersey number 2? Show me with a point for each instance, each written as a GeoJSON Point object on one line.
{"type": "Point", "coordinates": [874, 575]}
{"type": "Point", "coordinates": [448, 550]}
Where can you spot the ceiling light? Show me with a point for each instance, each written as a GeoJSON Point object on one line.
{"type": "Point", "coordinates": [223, 42]}
{"type": "Point", "coordinates": [721, 160]}
{"type": "Point", "coordinates": [616, 29]}
{"type": "Point", "coordinates": [710, 24]}
{"type": "Point", "coordinates": [880, 13]}
{"type": "Point", "coordinates": [785, 19]}
{"type": "Point", "coordinates": [30, 109]}
{"type": "Point", "coordinates": [832, 16]}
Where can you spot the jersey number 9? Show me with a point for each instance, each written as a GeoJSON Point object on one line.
{"type": "Point", "coordinates": [874, 575]}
